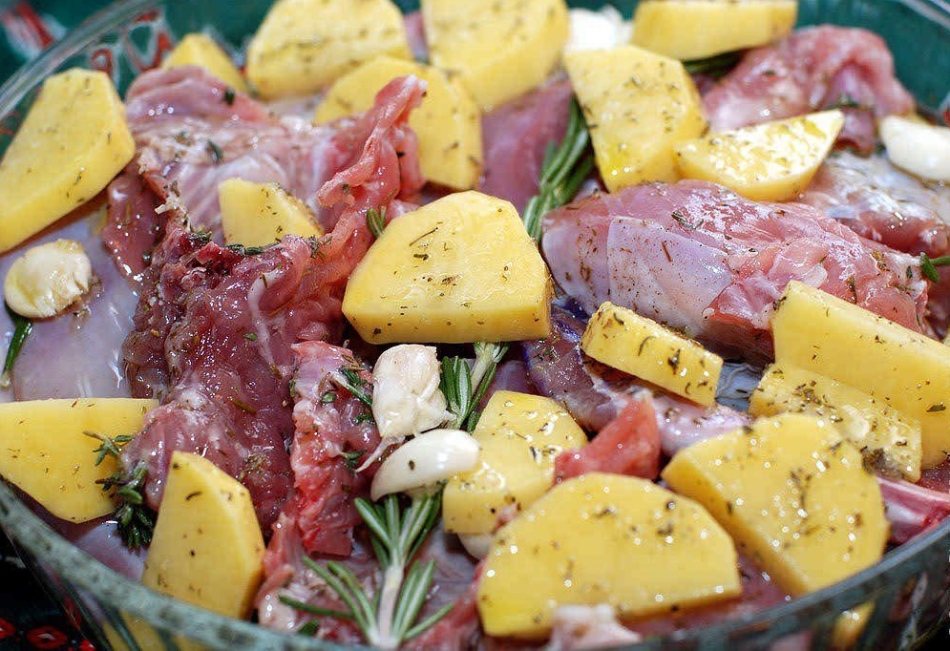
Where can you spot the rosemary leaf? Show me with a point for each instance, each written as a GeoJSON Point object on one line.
{"type": "Point", "coordinates": [928, 266]}
{"type": "Point", "coordinates": [22, 327]}
{"type": "Point", "coordinates": [376, 220]}
{"type": "Point", "coordinates": [314, 610]}
{"type": "Point", "coordinates": [715, 66]}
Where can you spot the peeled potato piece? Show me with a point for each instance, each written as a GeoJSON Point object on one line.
{"type": "Point", "coordinates": [457, 270]}
{"type": "Point", "coordinates": [304, 45]}
{"type": "Point", "coordinates": [604, 539]}
{"type": "Point", "coordinates": [773, 161]}
{"type": "Point", "coordinates": [200, 50]}
{"type": "Point", "coordinates": [696, 29]}
{"type": "Point", "coordinates": [638, 106]}
{"type": "Point", "coordinates": [73, 141]}
{"type": "Point", "coordinates": [207, 546]}
{"type": "Point", "coordinates": [795, 497]}
{"type": "Point", "coordinates": [448, 123]}
{"type": "Point", "coordinates": [500, 49]}
{"type": "Point", "coordinates": [46, 452]}
{"type": "Point", "coordinates": [257, 214]}
{"type": "Point", "coordinates": [621, 338]}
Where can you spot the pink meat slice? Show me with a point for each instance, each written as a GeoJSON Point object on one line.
{"type": "Point", "coordinates": [215, 327]}
{"type": "Point", "coordinates": [515, 138]}
{"type": "Point", "coordinates": [193, 132]}
{"type": "Point", "coordinates": [814, 68]}
{"type": "Point", "coordinates": [332, 431]}
{"type": "Point", "coordinates": [699, 258]}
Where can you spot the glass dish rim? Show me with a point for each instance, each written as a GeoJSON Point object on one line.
{"type": "Point", "coordinates": [76, 566]}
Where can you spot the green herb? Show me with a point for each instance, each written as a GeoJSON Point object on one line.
{"type": "Point", "coordinates": [928, 266]}
{"type": "Point", "coordinates": [463, 387]}
{"type": "Point", "coordinates": [22, 327]}
{"type": "Point", "coordinates": [376, 220]}
{"type": "Point", "coordinates": [565, 168]}
{"type": "Point", "coordinates": [134, 519]}
{"type": "Point", "coordinates": [216, 154]}
{"type": "Point", "coordinates": [351, 380]}
{"type": "Point", "coordinates": [245, 250]}
{"type": "Point", "coordinates": [388, 618]}
{"type": "Point", "coordinates": [229, 96]}
{"type": "Point", "coordinates": [714, 66]}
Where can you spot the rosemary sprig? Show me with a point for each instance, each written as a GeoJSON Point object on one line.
{"type": "Point", "coordinates": [22, 327]}
{"type": "Point", "coordinates": [134, 519]}
{"type": "Point", "coordinates": [376, 220]}
{"type": "Point", "coordinates": [464, 386]}
{"type": "Point", "coordinates": [565, 168]}
{"type": "Point", "coordinates": [388, 618]}
{"type": "Point", "coordinates": [928, 266]}
{"type": "Point", "coordinates": [715, 66]}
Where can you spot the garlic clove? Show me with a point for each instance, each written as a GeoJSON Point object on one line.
{"type": "Point", "coordinates": [424, 460]}
{"type": "Point", "coordinates": [406, 395]}
{"type": "Point", "coordinates": [476, 544]}
{"type": "Point", "coordinates": [917, 147]}
{"type": "Point", "coordinates": [47, 279]}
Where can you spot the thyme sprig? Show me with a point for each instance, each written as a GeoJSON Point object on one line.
{"type": "Point", "coordinates": [388, 618]}
{"type": "Point", "coordinates": [22, 327]}
{"type": "Point", "coordinates": [134, 519]}
{"type": "Point", "coordinates": [565, 168]}
{"type": "Point", "coordinates": [928, 266]}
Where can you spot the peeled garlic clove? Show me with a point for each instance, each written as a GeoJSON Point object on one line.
{"type": "Point", "coordinates": [424, 460]}
{"type": "Point", "coordinates": [406, 395]}
{"type": "Point", "coordinates": [917, 147]}
{"type": "Point", "coordinates": [476, 544]}
{"type": "Point", "coordinates": [47, 279]}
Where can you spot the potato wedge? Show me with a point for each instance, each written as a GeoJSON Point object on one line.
{"type": "Point", "coordinates": [916, 146]}
{"type": "Point", "coordinates": [520, 435]}
{"type": "Point", "coordinates": [448, 123]}
{"type": "Point", "coordinates": [47, 453]}
{"type": "Point", "coordinates": [904, 369]}
{"type": "Point", "coordinates": [500, 49]}
{"type": "Point", "coordinates": [257, 214]}
{"type": "Point", "coordinates": [794, 496]}
{"type": "Point", "coordinates": [73, 141]}
{"type": "Point", "coordinates": [207, 546]}
{"type": "Point", "coordinates": [197, 49]}
{"type": "Point", "coordinates": [604, 539]}
{"type": "Point", "coordinates": [621, 338]}
{"type": "Point", "coordinates": [773, 161]}
{"type": "Point", "coordinates": [696, 29]}
{"type": "Point", "coordinates": [305, 45]}
{"type": "Point", "coordinates": [888, 440]}
{"type": "Point", "coordinates": [460, 269]}
{"type": "Point", "coordinates": [638, 107]}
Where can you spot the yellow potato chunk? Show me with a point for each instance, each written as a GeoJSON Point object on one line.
{"type": "Point", "coordinates": [897, 366]}
{"type": "Point", "coordinates": [448, 124]}
{"type": "Point", "coordinates": [621, 338]}
{"type": "Point", "coordinates": [304, 45]}
{"type": "Point", "coordinates": [794, 496]}
{"type": "Point", "coordinates": [73, 141]}
{"type": "Point", "coordinates": [207, 546]}
{"type": "Point", "coordinates": [48, 454]}
{"type": "Point", "coordinates": [604, 539]}
{"type": "Point", "coordinates": [888, 440]}
{"type": "Point", "coordinates": [520, 436]}
{"type": "Point", "coordinates": [257, 214]}
{"type": "Point", "coordinates": [198, 49]}
{"type": "Point", "coordinates": [773, 161]}
{"type": "Point", "coordinates": [460, 269]}
{"type": "Point", "coordinates": [500, 49]}
{"type": "Point", "coordinates": [696, 29]}
{"type": "Point", "coordinates": [638, 107]}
